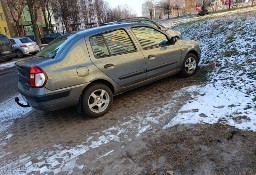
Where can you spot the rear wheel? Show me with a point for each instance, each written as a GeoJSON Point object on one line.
{"type": "Point", "coordinates": [190, 65]}
{"type": "Point", "coordinates": [19, 54]}
{"type": "Point", "coordinates": [96, 100]}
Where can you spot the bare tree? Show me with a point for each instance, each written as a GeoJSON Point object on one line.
{"type": "Point", "coordinates": [101, 8]}
{"type": "Point", "coordinates": [46, 9]}
{"type": "Point", "coordinates": [84, 6]}
{"type": "Point", "coordinates": [16, 9]}
{"type": "Point", "coordinates": [150, 5]}
{"type": "Point", "coordinates": [68, 11]}
{"type": "Point", "coordinates": [34, 7]}
{"type": "Point", "coordinates": [166, 6]}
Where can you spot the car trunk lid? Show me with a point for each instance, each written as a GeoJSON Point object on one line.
{"type": "Point", "coordinates": [23, 68]}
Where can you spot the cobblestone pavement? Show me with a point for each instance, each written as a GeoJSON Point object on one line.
{"type": "Point", "coordinates": [44, 142]}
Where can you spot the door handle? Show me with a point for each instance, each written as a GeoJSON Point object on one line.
{"type": "Point", "coordinates": [151, 57]}
{"type": "Point", "coordinates": [109, 65]}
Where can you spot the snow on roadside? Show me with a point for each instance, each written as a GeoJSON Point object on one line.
{"type": "Point", "coordinates": [7, 65]}
{"type": "Point", "coordinates": [230, 95]}
{"type": "Point", "coordinates": [9, 111]}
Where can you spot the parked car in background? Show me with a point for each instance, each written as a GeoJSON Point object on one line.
{"type": "Point", "coordinates": [203, 12]}
{"type": "Point", "coordinates": [88, 67]}
{"type": "Point", "coordinates": [46, 39]}
{"type": "Point", "coordinates": [24, 46]}
{"type": "Point", "coordinates": [144, 20]}
{"type": "Point", "coordinates": [6, 51]}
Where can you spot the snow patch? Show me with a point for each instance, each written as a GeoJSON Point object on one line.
{"type": "Point", "coordinates": [10, 111]}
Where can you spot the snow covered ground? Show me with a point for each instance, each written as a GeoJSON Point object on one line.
{"type": "Point", "coordinates": [10, 111]}
{"type": "Point", "coordinates": [229, 96]}
{"type": "Point", "coordinates": [7, 65]}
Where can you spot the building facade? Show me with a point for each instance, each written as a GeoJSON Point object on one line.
{"type": "Point", "coordinates": [4, 27]}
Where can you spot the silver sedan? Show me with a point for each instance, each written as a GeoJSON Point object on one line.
{"type": "Point", "coordinates": [24, 46]}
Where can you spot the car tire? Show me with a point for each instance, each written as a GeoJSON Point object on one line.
{"type": "Point", "coordinates": [96, 100]}
{"type": "Point", "coordinates": [19, 54]}
{"type": "Point", "coordinates": [190, 65]}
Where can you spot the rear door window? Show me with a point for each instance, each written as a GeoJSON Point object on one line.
{"type": "Point", "coordinates": [116, 42]}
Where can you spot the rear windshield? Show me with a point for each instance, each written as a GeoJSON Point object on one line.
{"type": "Point", "coordinates": [51, 49]}
{"type": "Point", "coordinates": [25, 40]}
{"type": "Point", "coordinates": [4, 40]}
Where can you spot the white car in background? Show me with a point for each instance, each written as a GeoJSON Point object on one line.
{"type": "Point", "coordinates": [24, 46]}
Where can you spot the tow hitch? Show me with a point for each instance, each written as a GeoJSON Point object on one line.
{"type": "Point", "coordinates": [17, 100]}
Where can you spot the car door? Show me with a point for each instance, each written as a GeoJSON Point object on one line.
{"type": "Point", "coordinates": [162, 56]}
{"type": "Point", "coordinates": [115, 54]}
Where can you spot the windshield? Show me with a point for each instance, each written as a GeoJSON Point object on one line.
{"type": "Point", "coordinates": [25, 40]}
{"type": "Point", "coordinates": [51, 49]}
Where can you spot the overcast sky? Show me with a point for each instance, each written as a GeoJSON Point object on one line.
{"type": "Point", "coordinates": [133, 4]}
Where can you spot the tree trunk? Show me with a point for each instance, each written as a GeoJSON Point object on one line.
{"type": "Point", "coordinates": [33, 15]}
{"type": "Point", "coordinates": [45, 20]}
{"type": "Point", "coordinates": [49, 17]}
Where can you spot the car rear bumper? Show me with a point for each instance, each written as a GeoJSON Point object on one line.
{"type": "Point", "coordinates": [55, 100]}
{"type": "Point", "coordinates": [47, 102]}
{"type": "Point", "coordinates": [30, 50]}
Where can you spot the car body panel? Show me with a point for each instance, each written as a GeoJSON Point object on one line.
{"type": "Point", "coordinates": [122, 71]}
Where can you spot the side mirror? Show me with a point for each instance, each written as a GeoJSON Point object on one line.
{"type": "Point", "coordinates": [173, 40]}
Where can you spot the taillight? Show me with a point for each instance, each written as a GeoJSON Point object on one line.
{"type": "Point", "coordinates": [23, 45]}
{"type": "Point", "coordinates": [38, 77]}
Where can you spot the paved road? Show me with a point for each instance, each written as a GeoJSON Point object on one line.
{"type": "Point", "coordinates": [9, 80]}
{"type": "Point", "coordinates": [8, 85]}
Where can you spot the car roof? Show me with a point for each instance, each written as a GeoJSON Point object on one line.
{"type": "Point", "coordinates": [97, 30]}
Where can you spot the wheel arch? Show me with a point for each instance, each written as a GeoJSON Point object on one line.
{"type": "Point", "coordinates": [102, 81]}
{"type": "Point", "coordinates": [194, 52]}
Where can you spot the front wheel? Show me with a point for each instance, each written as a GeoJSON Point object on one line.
{"type": "Point", "coordinates": [190, 65]}
{"type": "Point", "coordinates": [96, 100]}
